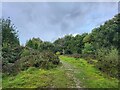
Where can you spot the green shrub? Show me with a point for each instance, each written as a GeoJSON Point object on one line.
{"type": "Point", "coordinates": [11, 55]}
{"type": "Point", "coordinates": [45, 60]}
{"type": "Point", "coordinates": [108, 61]}
{"type": "Point", "coordinates": [40, 60]}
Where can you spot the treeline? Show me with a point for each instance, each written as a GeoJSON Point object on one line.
{"type": "Point", "coordinates": [100, 47]}
{"type": "Point", "coordinates": [101, 44]}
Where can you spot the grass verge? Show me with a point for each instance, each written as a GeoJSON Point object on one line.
{"type": "Point", "coordinates": [38, 78]}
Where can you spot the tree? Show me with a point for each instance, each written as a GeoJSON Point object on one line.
{"type": "Point", "coordinates": [9, 34]}
{"type": "Point", "coordinates": [87, 38]}
{"type": "Point", "coordinates": [10, 42]}
{"type": "Point", "coordinates": [34, 43]}
{"type": "Point", "coordinates": [46, 46]}
{"type": "Point", "coordinates": [88, 49]}
{"type": "Point", "coordinates": [106, 35]}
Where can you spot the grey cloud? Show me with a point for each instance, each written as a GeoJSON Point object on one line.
{"type": "Point", "coordinates": [52, 20]}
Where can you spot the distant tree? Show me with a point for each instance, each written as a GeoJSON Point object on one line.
{"type": "Point", "coordinates": [34, 43]}
{"type": "Point", "coordinates": [38, 44]}
{"type": "Point", "coordinates": [47, 46]}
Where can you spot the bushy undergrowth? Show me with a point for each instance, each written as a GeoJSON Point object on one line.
{"type": "Point", "coordinates": [10, 55]}
{"type": "Point", "coordinates": [32, 58]}
{"type": "Point", "coordinates": [108, 61]}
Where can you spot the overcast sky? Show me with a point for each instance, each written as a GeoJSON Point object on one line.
{"type": "Point", "coordinates": [49, 21]}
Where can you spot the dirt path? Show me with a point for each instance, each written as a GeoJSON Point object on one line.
{"type": "Point", "coordinates": [70, 72]}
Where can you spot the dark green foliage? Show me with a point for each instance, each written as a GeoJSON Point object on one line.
{"type": "Point", "coordinates": [106, 35]}
{"type": "Point", "coordinates": [70, 44]}
{"type": "Point", "coordinates": [11, 55]}
{"type": "Point", "coordinates": [79, 51]}
{"type": "Point", "coordinates": [10, 42]}
{"type": "Point", "coordinates": [9, 35]}
{"type": "Point", "coordinates": [68, 51]}
{"type": "Point", "coordinates": [11, 48]}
